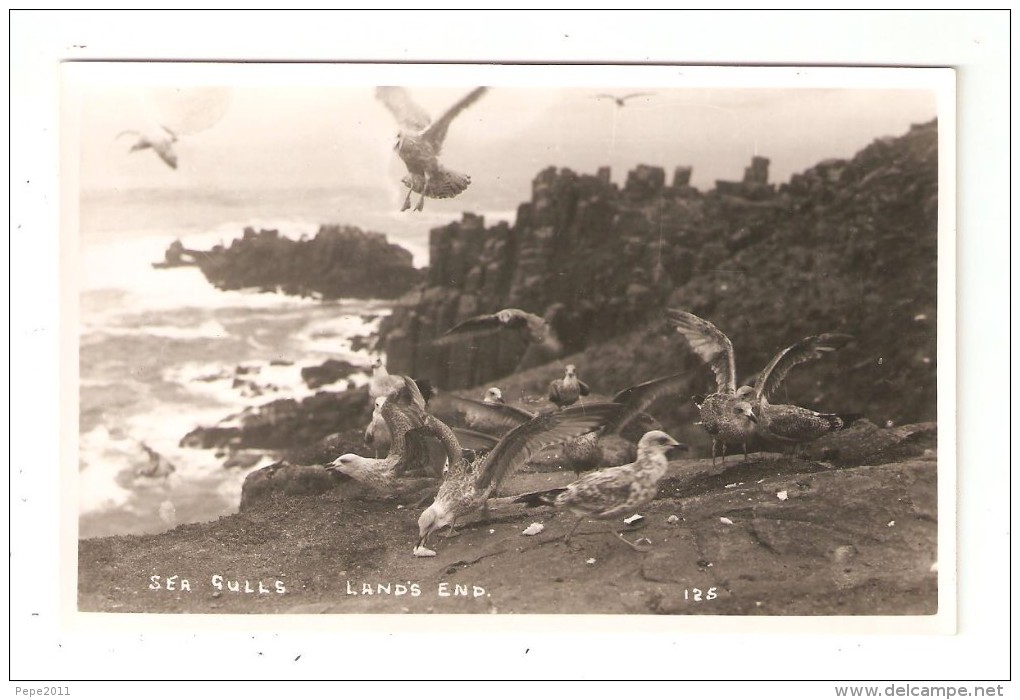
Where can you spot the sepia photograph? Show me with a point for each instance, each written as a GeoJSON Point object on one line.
{"type": "Point", "coordinates": [471, 345]}
{"type": "Point", "coordinates": [637, 341]}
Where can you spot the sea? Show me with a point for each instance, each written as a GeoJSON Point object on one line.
{"type": "Point", "coordinates": [161, 351]}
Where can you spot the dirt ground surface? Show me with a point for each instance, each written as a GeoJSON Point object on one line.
{"type": "Point", "coordinates": [777, 535]}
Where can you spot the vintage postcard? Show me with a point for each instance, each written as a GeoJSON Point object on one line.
{"type": "Point", "coordinates": [670, 344]}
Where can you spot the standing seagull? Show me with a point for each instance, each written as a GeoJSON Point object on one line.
{"type": "Point", "coordinates": [622, 99]}
{"type": "Point", "coordinates": [162, 142]}
{"type": "Point", "coordinates": [789, 424]}
{"type": "Point", "coordinates": [419, 143]}
{"type": "Point", "coordinates": [493, 395]}
{"type": "Point", "coordinates": [728, 418]}
{"type": "Point", "coordinates": [469, 485]}
{"type": "Point", "coordinates": [616, 491]}
{"type": "Point", "coordinates": [566, 391]}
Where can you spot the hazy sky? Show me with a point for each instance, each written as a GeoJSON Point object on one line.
{"type": "Point", "coordinates": [304, 133]}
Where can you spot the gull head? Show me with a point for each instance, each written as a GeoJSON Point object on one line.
{"type": "Point", "coordinates": [493, 395]}
{"type": "Point", "coordinates": [743, 408]}
{"type": "Point", "coordinates": [432, 518]}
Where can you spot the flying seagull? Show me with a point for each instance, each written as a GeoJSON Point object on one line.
{"type": "Point", "coordinates": [420, 142]}
{"type": "Point", "coordinates": [543, 343]}
{"type": "Point", "coordinates": [616, 491]}
{"type": "Point", "coordinates": [469, 484]}
{"type": "Point", "coordinates": [162, 142]}
{"type": "Point", "coordinates": [622, 99]}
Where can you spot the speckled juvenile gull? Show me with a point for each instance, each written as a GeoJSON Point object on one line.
{"type": "Point", "coordinates": [470, 483]}
{"type": "Point", "coordinates": [420, 142]}
{"type": "Point", "coordinates": [616, 491]}
{"type": "Point", "coordinates": [729, 419]}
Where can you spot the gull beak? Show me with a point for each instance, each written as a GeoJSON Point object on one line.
{"type": "Point", "coordinates": [752, 417]}
{"type": "Point", "coordinates": [677, 447]}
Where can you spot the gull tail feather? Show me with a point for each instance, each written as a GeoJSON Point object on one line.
{"type": "Point", "coordinates": [539, 498]}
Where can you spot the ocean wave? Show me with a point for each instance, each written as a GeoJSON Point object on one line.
{"type": "Point", "coordinates": [207, 329]}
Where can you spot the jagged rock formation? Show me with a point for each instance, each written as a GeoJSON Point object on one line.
{"type": "Point", "coordinates": [339, 262]}
{"type": "Point", "coordinates": [849, 246]}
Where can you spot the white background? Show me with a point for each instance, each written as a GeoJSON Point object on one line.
{"type": "Point", "coordinates": [975, 43]}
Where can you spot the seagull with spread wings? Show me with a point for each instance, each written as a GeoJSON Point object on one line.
{"type": "Point", "coordinates": [615, 444]}
{"type": "Point", "coordinates": [785, 423]}
{"type": "Point", "coordinates": [161, 141]}
{"type": "Point", "coordinates": [725, 416]}
{"type": "Point", "coordinates": [409, 427]}
{"type": "Point", "coordinates": [621, 100]}
{"type": "Point", "coordinates": [543, 343]}
{"type": "Point", "coordinates": [420, 142]}
{"type": "Point", "coordinates": [469, 484]}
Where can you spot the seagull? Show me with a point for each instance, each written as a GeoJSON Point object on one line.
{"type": "Point", "coordinates": [158, 467]}
{"type": "Point", "coordinates": [622, 99]}
{"type": "Point", "coordinates": [566, 391]}
{"type": "Point", "coordinates": [377, 434]}
{"type": "Point", "coordinates": [382, 383]}
{"type": "Point", "coordinates": [615, 491]}
{"type": "Point", "coordinates": [162, 142]}
{"type": "Point", "coordinates": [493, 395]}
{"type": "Point", "coordinates": [419, 143]}
{"type": "Point", "coordinates": [534, 330]}
{"type": "Point", "coordinates": [615, 443]}
{"type": "Point", "coordinates": [469, 484]}
{"type": "Point", "coordinates": [408, 425]}
{"type": "Point", "coordinates": [786, 423]}
{"type": "Point", "coordinates": [725, 416]}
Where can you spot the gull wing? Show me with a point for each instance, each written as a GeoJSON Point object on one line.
{"type": "Point", "coordinates": [710, 344]}
{"type": "Point", "coordinates": [409, 115]}
{"type": "Point", "coordinates": [486, 324]}
{"type": "Point", "coordinates": [517, 446]}
{"type": "Point", "coordinates": [638, 398]}
{"type": "Point", "coordinates": [811, 348]}
{"type": "Point", "coordinates": [436, 133]}
{"type": "Point", "coordinates": [489, 418]}
{"type": "Point", "coordinates": [474, 440]}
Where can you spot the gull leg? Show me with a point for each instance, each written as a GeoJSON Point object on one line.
{"type": "Point", "coordinates": [635, 547]}
{"type": "Point", "coordinates": [407, 200]}
{"type": "Point", "coordinates": [450, 533]}
{"type": "Point", "coordinates": [424, 188]}
{"type": "Point", "coordinates": [713, 452]}
{"type": "Point", "coordinates": [566, 540]}
{"type": "Point", "coordinates": [745, 453]}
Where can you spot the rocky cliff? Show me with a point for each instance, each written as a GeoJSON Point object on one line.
{"type": "Point", "coordinates": [848, 246]}
{"type": "Point", "coordinates": [338, 262]}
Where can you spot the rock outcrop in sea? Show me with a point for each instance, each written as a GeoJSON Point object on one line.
{"type": "Point", "coordinates": [338, 262]}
